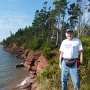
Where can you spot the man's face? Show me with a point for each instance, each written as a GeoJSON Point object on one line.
{"type": "Point", "coordinates": [69, 35]}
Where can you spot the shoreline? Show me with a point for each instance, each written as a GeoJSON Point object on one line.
{"type": "Point", "coordinates": [34, 61]}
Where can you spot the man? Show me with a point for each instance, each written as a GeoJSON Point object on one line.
{"type": "Point", "coordinates": [70, 50]}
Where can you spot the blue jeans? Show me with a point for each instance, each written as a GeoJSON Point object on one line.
{"type": "Point", "coordinates": [73, 72]}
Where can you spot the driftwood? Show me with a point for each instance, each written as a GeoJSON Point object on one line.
{"type": "Point", "coordinates": [20, 65]}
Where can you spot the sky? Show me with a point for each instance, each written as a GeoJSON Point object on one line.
{"type": "Point", "coordinates": [15, 14]}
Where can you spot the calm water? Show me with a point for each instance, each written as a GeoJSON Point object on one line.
{"type": "Point", "coordinates": [9, 75]}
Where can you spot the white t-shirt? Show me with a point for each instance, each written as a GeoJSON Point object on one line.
{"type": "Point", "coordinates": [71, 48]}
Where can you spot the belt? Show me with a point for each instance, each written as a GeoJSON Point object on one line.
{"type": "Point", "coordinates": [70, 59]}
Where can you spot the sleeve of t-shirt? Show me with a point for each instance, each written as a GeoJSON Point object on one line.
{"type": "Point", "coordinates": [61, 47]}
{"type": "Point", "coordinates": [80, 47]}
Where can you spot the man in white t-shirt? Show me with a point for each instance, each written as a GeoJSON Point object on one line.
{"type": "Point", "coordinates": [70, 50]}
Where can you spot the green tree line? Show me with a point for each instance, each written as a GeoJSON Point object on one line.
{"type": "Point", "coordinates": [50, 24]}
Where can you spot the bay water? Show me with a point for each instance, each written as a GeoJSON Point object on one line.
{"type": "Point", "coordinates": [9, 74]}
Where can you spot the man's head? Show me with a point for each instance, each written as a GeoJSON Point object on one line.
{"type": "Point", "coordinates": [69, 34]}
{"type": "Point", "coordinates": [69, 31]}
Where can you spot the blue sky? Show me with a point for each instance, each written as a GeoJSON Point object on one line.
{"type": "Point", "coordinates": [15, 14]}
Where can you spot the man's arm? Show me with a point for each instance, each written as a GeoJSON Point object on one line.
{"type": "Point", "coordinates": [60, 59]}
{"type": "Point", "coordinates": [81, 56]}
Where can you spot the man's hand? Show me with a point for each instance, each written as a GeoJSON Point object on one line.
{"type": "Point", "coordinates": [80, 67]}
{"type": "Point", "coordinates": [60, 65]}
{"type": "Point", "coordinates": [79, 64]}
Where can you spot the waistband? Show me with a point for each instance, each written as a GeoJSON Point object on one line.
{"type": "Point", "coordinates": [70, 58]}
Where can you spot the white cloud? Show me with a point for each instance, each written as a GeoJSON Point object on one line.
{"type": "Point", "coordinates": [12, 23]}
